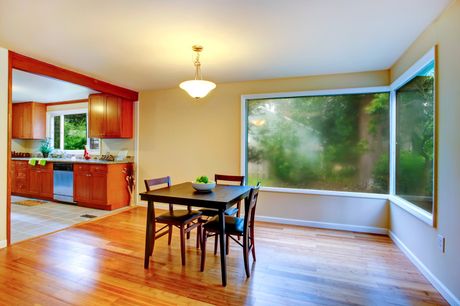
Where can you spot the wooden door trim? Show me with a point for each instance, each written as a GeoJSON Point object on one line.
{"type": "Point", "coordinates": [28, 64]}
{"type": "Point", "coordinates": [8, 149]}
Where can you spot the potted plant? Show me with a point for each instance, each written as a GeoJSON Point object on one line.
{"type": "Point", "coordinates": [45, 147]}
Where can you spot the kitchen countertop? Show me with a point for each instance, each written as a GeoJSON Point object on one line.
{"type": "Point", "coordinates": [76, 161]}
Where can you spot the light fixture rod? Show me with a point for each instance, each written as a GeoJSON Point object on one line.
{"type": "Point", "coordinates": [196, 62]}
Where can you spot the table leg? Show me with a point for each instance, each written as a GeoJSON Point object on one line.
{"type": "Point", "coordinates": [223, 265]}
{"type": "Point", "coordinates": [148, 234]}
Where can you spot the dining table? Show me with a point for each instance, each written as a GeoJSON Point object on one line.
{"type": "Point", "coordinates": [221, 198]}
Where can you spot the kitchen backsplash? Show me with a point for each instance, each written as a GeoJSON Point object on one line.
{"type": "Point", "coordinates": [108, 146]}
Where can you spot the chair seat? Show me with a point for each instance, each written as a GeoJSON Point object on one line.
{"type": "Point", "coordinates": [208, 212]}
{"type": "Point", "coordinates": [180, 216]}
{"type": "Point", "coordinates": [211, 212]}
{"type": "Point", "coordinates": [231, 211]}
{"type": "Point", "coordinates": [233, 225]}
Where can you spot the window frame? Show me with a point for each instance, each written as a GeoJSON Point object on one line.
{"type": "Point", "coordinates": [408, 75]}
{"type": "Point", "coordinates": [50, 128]}
{"type": "Point", "coordinates": [330, 92]}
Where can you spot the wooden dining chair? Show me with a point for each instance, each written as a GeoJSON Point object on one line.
{"type": "Point", "coordinates": [223, 179]}
{"type": "Point", "coordinates": [206, 213]}
{"type": "Point", "coordinates": [185, 220]}
{"type": "Point", "coordinates": [235, 226]}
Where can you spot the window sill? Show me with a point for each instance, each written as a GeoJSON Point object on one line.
{"type": "Point", "coordinates": [327, 193]}
{"type": "Point", "coordinates": [414, 210]}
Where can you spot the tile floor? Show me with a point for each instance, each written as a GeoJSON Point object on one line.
{"type": "Point", "coordinates": [32, 221]}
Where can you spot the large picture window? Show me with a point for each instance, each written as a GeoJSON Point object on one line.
{"type": "Point", "coordinates": [379, 141]}
{"type": "Point", "coordinates": [415, 138]}
{"type": "Point", "coordinates": [329, 142]}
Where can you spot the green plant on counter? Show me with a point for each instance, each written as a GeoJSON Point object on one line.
{"type": "Point", "coordinates": [46, 147]}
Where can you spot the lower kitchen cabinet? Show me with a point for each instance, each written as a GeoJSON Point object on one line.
{"type": "Point", "coordinates": [34, 181]}
{"type": "Point", "coordinates": [19, 174]}
{"type": "Point", "coordinates": [41, 181]}
{"type": "Point", "coordinates": [101, 186]}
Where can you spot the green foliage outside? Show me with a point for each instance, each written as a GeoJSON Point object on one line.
{"type": "Point", "coordinates": [75, 135]}
{"type": "Point", "coordinates": [316, 142]}
{"type": "Point", "coordinates": [415, 140]}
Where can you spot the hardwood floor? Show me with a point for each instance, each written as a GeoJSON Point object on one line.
{"type": "Point", "coordinates": [101, 263]}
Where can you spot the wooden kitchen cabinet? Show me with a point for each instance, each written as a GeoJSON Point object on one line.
{"type": "Point", "coordinates": [110, 116]}
{"type": "Point", "coordinates": [35, 181]}
{"type": "Point", "coordinates": [19, 177]}
{"type": "Point", "coordinates": [28, 120]}
{"type": "Point", "coordinates": [41, 181]}
{"type": "Point", "coordinates": [101, 186]}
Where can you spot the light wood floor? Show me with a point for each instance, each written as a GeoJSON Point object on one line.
{"type": "Point", "coordinates": [101, 262]}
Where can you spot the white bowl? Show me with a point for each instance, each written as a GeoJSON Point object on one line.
{"type": "Point", "coordinates": [204, 187]}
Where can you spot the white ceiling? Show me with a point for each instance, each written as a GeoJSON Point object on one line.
{"type": "Point", "coordinates": [37, 88]}
{"type": "Point", "coordinates": [146, 44]}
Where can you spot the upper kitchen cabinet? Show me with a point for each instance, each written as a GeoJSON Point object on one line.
{"type": "Point", "coordinates": [29, 120]}
{"type": "Point", "coordinates": [110, 116]}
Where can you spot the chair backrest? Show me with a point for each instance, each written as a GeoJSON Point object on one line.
{"type": "Point", "coordinates": [157, 182]}
{"type": "Point", "coordinates": [250, 211]}
{"type": "Point", "coordinates": [229, 178]}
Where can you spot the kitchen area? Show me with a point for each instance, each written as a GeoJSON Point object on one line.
{"type": "Point", "coordinates": [72, 154]}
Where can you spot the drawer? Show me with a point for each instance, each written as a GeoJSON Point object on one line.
{"type": "Point", "coordinates": [37, 167]}
{"type": "Point", "coordinates": [98, 168]}
{"type": "Point", "coordinates": [81, 167]}
{"type": "Point", "coordinates": [21, 174]}
{"type": "Point", "coordinates": [20, 164]}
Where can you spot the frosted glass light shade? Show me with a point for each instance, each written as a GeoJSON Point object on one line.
{"type": "Point", "coordinates": [197, 88]}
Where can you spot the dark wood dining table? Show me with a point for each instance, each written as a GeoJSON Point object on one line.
{"type": "Point", "coordinates": [221, 198]}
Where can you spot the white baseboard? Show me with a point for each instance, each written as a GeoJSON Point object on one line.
{"type": "Point", "coordinates": [443, 290]}
{"type": "Point", "coordinates": [326, 225]}
{"type": "Point", "coordinates": [3, 244]}
{"type": "Point", "coordinates": [335, 226]}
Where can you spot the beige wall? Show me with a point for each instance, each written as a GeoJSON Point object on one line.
{"type": "Point", "coordinates": [3, 142]}
{"type": "Point", "coordinates": [416, 235]}
{"type": "Point", "coordinates": [184, 138]}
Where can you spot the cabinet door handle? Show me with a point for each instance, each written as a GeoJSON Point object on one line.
{"type": "Point", "coordinates": [88, 175]}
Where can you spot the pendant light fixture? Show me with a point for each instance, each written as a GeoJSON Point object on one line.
{"type": "Point", "coordinates": [197, 88]}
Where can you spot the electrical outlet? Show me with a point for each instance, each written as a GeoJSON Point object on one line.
{"type": "Point", "coordinates": [441, 243]}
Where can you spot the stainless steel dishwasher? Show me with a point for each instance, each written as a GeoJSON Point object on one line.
{"type": "Point", "coordinates": [63, 182]}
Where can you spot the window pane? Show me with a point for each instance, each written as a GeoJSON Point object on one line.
{"type": "Point", "coordinates": [336, 142]}
{"type": "Point", "coordinates": [75, 132]}
{"type": "Point", "coordinates": [57, 132]}
{"type": "Point", "coordinates": [414, 138]}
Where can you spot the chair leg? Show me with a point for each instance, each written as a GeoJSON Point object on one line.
{"type": "Point", "coordinates": [182, 244]}
{"type": "Point", "coordinates": [170, 228]}
{"type": "Point", "coordinates": [153, 237]}
{"type": "Point", "coordinates": [253, 246]}
{"type": "Point", "coordinates": [227, 244]}
{"type": "Point", "coordinates": [188, 233]}
{"type": "Point", "coordinates": [198, 236]}
{"type": "Point", "coordinates": [238, 215]}
{"type": "Point", "coordinates": [216, 242]}
{"type": "Point", "coordinates": [246, 255]}
{"type": "Point", "coordinates": [203, 249]}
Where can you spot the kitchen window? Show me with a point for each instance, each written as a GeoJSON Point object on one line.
{"type": "Point", "coordinates": [68, 131]}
